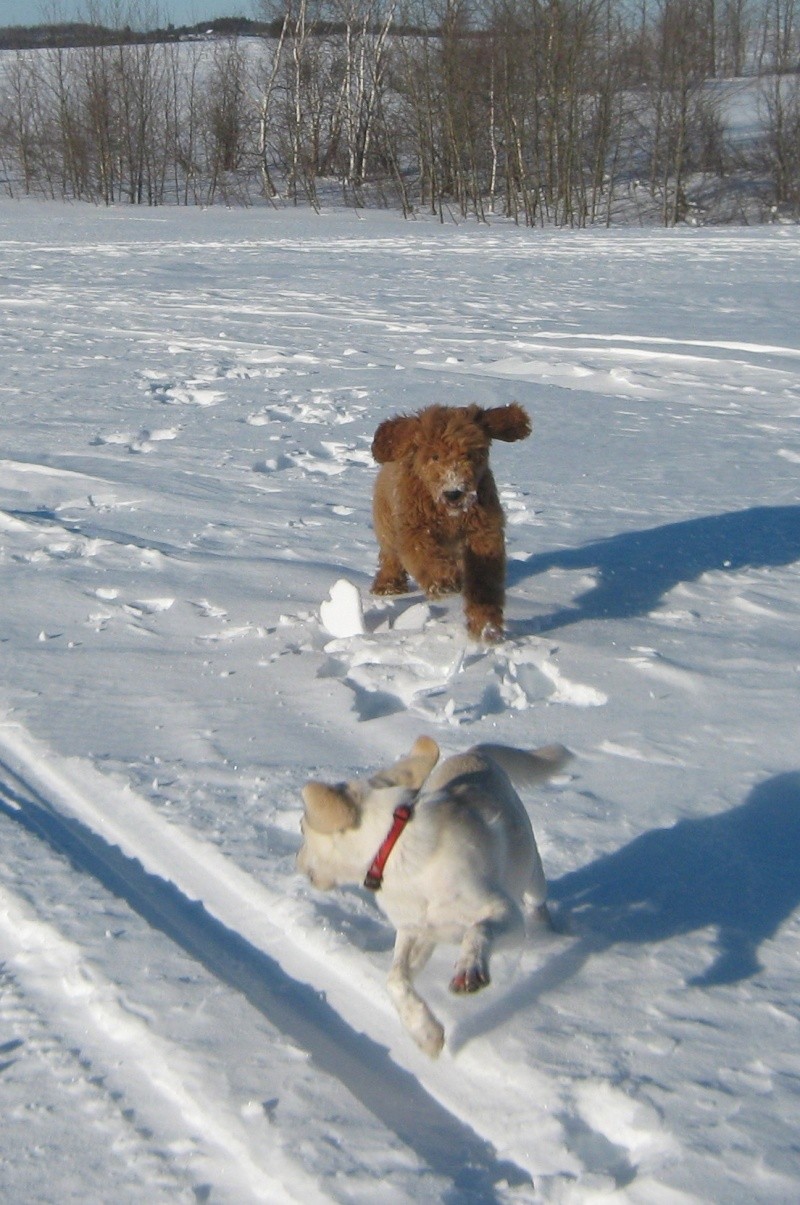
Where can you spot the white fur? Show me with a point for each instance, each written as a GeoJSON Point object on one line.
{"type": "Point", "coordinates": [463, 870]}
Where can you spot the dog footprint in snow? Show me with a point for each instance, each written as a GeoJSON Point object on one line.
{"type": "Point", "coordinates": [142, 607]}
{"type": "Point", "coordinates": [209, 610]}
{"type": "Point", "coordinates": [517, 510]}
{"type": "Point", "coordinates": [334, 459]}
{"type": "Point", "coordinates": [323, 407]}
{"type": "Point", "coordinates": [532, 674]}
{"type": "Point", "coordinates": [189, 393]}
{"type": "Point", "coordinates": [113, 607]}
{"type": "Point", "coordinates": [615, 1135]}
{"type": "Point", "coordinates": [143, 441]}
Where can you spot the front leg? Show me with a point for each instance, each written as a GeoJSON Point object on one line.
{"type": "Point", "coordinates": [484, 584]}
{"type": "Point", "coordinates": [410, 954]}
{"type": "Point", "coordinates": [391, 577]}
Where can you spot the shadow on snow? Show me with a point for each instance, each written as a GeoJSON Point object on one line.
{"type": "Point", "coordinates": [637, 569]}
{"type": "Point", "coordinates": [737, 873]}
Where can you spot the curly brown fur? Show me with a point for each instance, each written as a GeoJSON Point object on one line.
{"type": "Point", "coordinates": [436, 512]}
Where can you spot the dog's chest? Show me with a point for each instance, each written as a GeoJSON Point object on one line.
{"type": "Point", "coordinates": [428, 887]}
{"type": "Point", "coordinates": [439, 917]}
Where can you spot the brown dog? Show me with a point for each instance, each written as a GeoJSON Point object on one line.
{"type": "Point", "coordinates": [436, 511]}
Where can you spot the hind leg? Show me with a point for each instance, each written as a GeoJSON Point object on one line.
{"type": "Point", "coordinates": [537, 914]}
{"type": "Point", "coordinates": [534, 899]}
{"type": "Point", "coordinates": [472, 967]}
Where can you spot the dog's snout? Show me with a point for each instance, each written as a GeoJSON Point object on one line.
{"type": "Point", "coordinates": [453, 495]}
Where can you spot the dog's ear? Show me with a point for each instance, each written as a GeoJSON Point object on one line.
{"type": "Point", "coordinates": [412, 770]}
{"type": "Point", "coordinates": [328, 809]}
{"type": "Point", "coordinates": [508, 423]}
{"type": "Point", "coordinates": [394, 438]}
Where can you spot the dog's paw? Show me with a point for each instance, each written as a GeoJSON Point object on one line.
{"type": "Point", "coordinates": [445, 585]}
{"type": "Point", "coordinates": [470, 979]}
{"type": "Point", "coordinates": [429, 1036]}
{"type": "Point", "coordinates": [390, 585]}
{"type": "Point", "coordinates": [484, 623]}
{"type": "Point", "coordinates": [486, 633]}
{"type": "Point", "coordinates": [491, 634]}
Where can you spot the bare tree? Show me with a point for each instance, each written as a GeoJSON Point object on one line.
{"type": "Point", "coordinates": [365, 57]}
{"type": "Point", "coordinates": [266, 81]}
{"type": "Point", "coordinates": [679, 106]}
{"type": "Point", "coordinates": [780, 101]}
{"type": "Point", "coordinates": [226, 115]}
{"type": "Point", "coordinates": [539, 109]}
{"type": "Point", "coordinates": [21, 125]}
{"type": "Point", "coordinates": [734, 33]}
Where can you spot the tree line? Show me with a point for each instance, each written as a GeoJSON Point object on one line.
{"type": "Point", "coordinates": [563, 112]}
{"type": "Point", "coordinates": [94, 32]}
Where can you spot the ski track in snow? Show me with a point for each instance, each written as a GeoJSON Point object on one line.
{"type": "Point", "coordinates": [190, 635]}
{"type": "Point", "coordinates": [219, 916]}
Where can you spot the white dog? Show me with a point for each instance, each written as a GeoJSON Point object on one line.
{"type": "Point", "coordinates": [450, 852]}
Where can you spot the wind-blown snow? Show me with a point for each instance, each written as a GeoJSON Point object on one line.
{"type": "Point", "coordinates": [187, 635]}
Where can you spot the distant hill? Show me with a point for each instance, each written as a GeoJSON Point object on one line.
{"type": "Point", "coordinates": [34, 37]}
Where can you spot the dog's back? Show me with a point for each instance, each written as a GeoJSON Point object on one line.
{"type": "Point", "coordinates": [471, 829]}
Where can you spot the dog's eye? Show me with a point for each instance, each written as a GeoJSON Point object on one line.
{"type": "Point", "coordinates": [433, 456]}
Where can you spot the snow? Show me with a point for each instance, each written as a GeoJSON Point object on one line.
{"type": "Point", "coordinates": [342, 613]}
{"type": "Point", "coordinates": [187, 636]}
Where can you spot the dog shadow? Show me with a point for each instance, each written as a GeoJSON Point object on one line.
{"type": "Point", "coordinates": [637, 569]}
{"type": "Point", "coordinates": [737, 873]}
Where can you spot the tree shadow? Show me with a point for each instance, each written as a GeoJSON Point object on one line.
{"type": "Point", "coordinates": [637, 569]}
{"type": "Point", "coordinates": [737, 873]}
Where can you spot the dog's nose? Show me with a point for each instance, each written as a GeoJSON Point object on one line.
{"type": "Point", "coordinates": [453, 495]}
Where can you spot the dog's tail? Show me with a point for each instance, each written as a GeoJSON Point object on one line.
{"type": "Point", "coordinates": [527, 768]}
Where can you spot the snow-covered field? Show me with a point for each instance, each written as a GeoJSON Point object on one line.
{"type": "Point", "coordinates": [188, 400]}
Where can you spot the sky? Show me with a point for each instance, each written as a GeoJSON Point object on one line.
{"type": "Point", "coordinates": [166, 12]}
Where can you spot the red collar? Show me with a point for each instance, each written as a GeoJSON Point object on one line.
{"type": "Point", "coordinates": [402, 814]}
